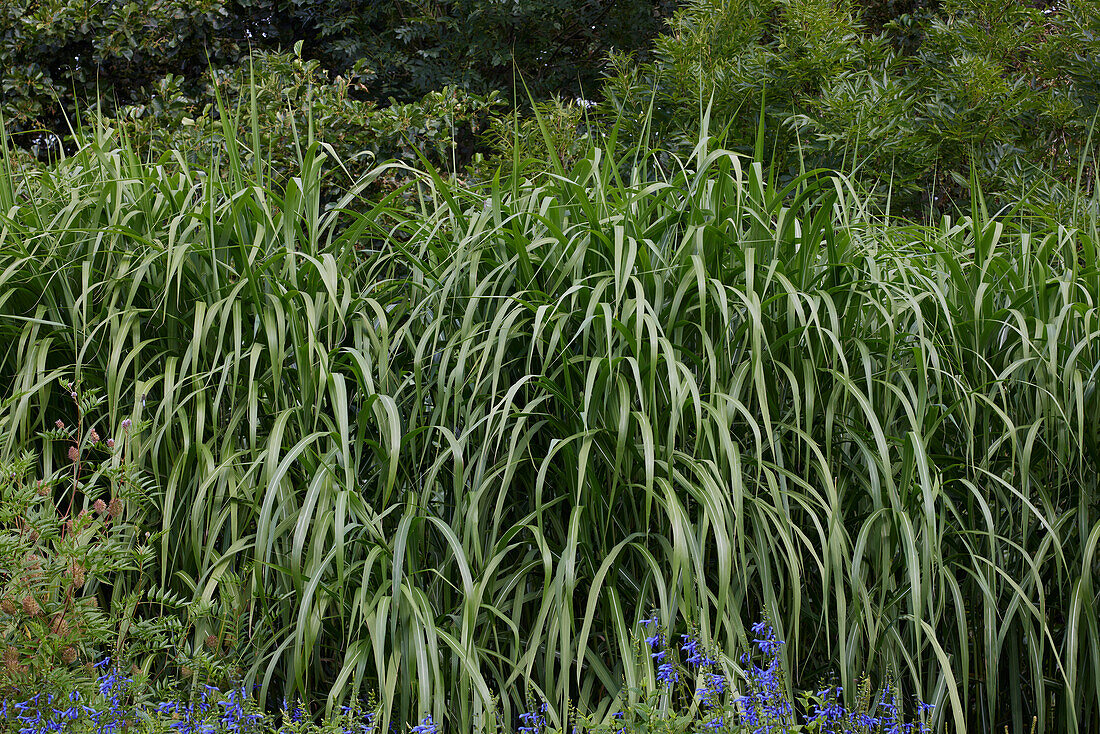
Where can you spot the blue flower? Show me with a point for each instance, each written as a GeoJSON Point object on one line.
{"type": "Point", "coordinates": [924, 712]}
{"type": "Point", "coordinates": [666, 673]}
{"type": "Point", "coordinates": [711, 688]}
{"type": "Point", "coordinates": [533, 722]}
{"type": "Point", "coordinates": [829, 711]}
{"type": "Point", "coordinates": [767, 644]}
{"type": "Point", "coordinates": [696, 657]}
{"type": "Point", "coordinates": [426, 726]}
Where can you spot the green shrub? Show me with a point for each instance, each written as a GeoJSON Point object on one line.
{"type": "Point", "coordinates": [555, 130]}
{"type": "Point", "coordinates": [62, 55]}
{"type": "Point", "coordinates": [65, 538]}
{"type": "Point", "coordinates": [53, 49]}
{"type": "Point", "coordinates": [910, 105]}
{"type": "Point", "coordinates": [275, 106]}
{"type": "Point", "coordinates": [77, 575]}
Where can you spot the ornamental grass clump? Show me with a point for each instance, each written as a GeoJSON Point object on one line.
{"type": "Point", "coordinates": [434, 452]}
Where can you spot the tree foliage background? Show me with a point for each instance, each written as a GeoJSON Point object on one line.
{"type": "Point", "coordinates": [57, 53]}
{"type": "Point", "coordinates": [912, 96]}
{"type": "Point", "coordinates": [916, 98]}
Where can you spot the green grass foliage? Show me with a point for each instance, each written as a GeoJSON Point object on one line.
{"type": "Point", "coordinates": [455, 454]}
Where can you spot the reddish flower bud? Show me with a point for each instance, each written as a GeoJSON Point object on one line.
{"type": "Point", "coordinates": [77, 572]}
{"type": "Point", "coordinates": [30, 606]}
{"type": "Point", "coordinates": [59, 625]}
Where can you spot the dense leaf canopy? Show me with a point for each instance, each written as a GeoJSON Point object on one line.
{"type": "Point", "coordinates": [114, 50]}
{"type": "Point", "coordinates": [911, 95]}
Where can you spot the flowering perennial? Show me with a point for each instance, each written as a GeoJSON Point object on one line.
{"type": "Point", "coordinates": [756, 702]}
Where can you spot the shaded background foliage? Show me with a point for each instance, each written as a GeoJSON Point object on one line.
{"type": "Point", "coordinates": [910, 96]}
{"type": "Point", "coordinates": [295, 103]}
{"type": "Point", "coordinates": [407, 48]}
{"type": "Point", "coordinates": [57, 53]}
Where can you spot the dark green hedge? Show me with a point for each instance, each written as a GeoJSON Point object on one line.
{"type": "Point", "coordinates": [55, 52]}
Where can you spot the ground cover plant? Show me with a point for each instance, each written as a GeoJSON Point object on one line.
{"type": "Point", "coordinates": [693, 694]}
{"type": "Point", "coordinates": [450, 454]}
{"type": "Point", "coordinates": [118, 703]}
